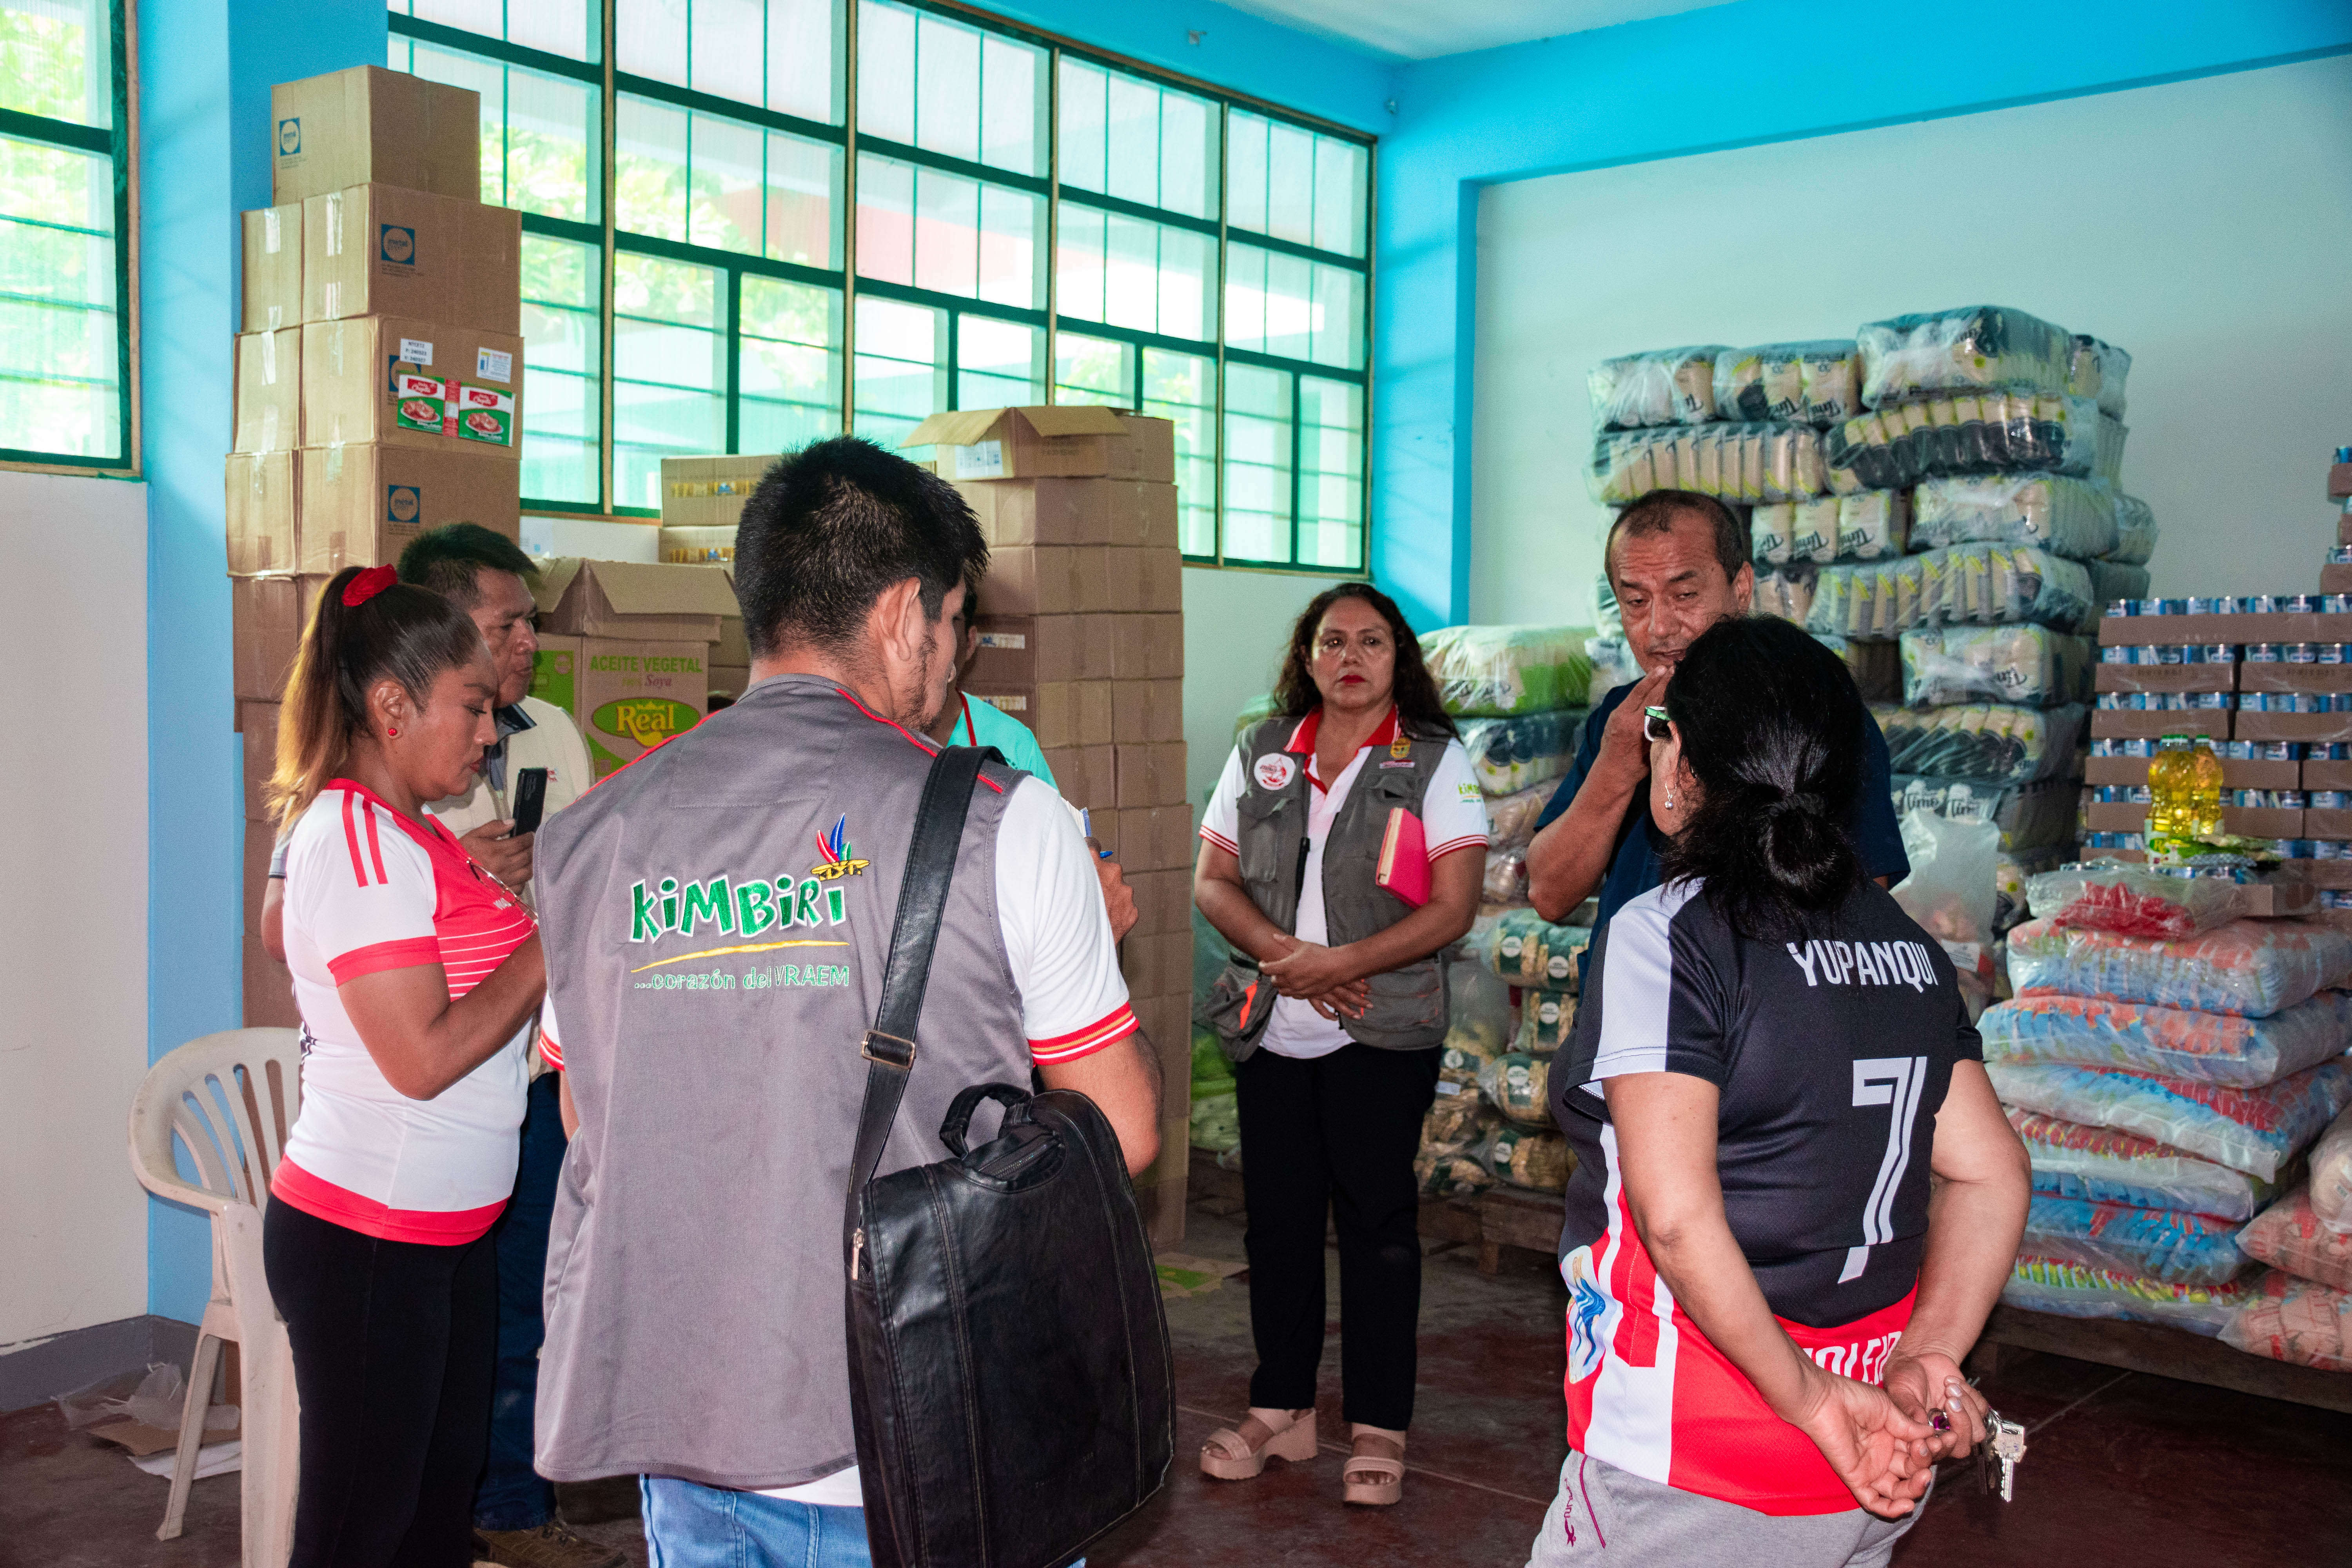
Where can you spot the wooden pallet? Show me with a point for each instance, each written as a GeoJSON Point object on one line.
{"type": "Point", "coordinates": [2152, 1348]}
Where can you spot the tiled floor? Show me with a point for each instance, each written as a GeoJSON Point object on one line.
{"type": "Point", "coordinates": [2123, 1467]}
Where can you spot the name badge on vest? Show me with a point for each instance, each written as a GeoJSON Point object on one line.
{"type": "Point", "coordinates": [1275, 770]}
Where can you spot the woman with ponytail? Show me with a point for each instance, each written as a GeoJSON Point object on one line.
{"type": "Point", "coordinates": [1769, 1299]}
{"type": "Point", "coordinates": [417, 976]}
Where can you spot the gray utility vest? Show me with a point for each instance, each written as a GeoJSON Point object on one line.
{"type": "Point", "coordinates": [1408, 1007]}
{"type": "Point", "coordinates": [714, 955]}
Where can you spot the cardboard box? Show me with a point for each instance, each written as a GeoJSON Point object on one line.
{"type": "Point", "coordinates": [1154, 775]}
{"type": "Point", "coordinates": [1060, 441]}
{"type": "Point", "coordinates": [2323, 774]}
{"type": "Point", "coordinates": [627, 696]}
{"type": "Point", "coordinates": [1163, 582]}
{"type": "Point", "coordinates": [403, 382]}
{"type": "Point", "coordinates": [2325, 727]}
{"type": "Point", "coordinates": [362, 504]}
{"type": "Point", "coordinates": [2291, 676]}
{"type": "Point", "coordinates": [1158, 838]}
{"type": "Point", "coordinates": [2235, 773]}
{"type": "Point", "coordinates": [272, 269]}
{"type": "Point", "coordinates": [2124, 723]}
{"type": "Point", "coordinates": [262, 492]}
{"type": "Point", "coordinates": [259, 841]}
{"type": "Point", "coordinates": [732, 678]}
{"type": "Point", "coordinates": [710, 491]}
{"type": "Point", "coordinates": [731, 647]}
{"type": "Point", "coordinates": [2336, 874]}
{"type": "Point", "coordinates": [2324, 822]}
{"type": "Point", "coordinates": [1159, 964]}
{"type": "Point", "coordinates": [256, 728]}
{"type": "Point", "coordinates": [2339, 479]}
{"type": "Point", "coordinates": [268, 991]}
{"type": "Point", "coordinates": [384, 250]}
{"type": "Point", "coordinates": [1073, 512]}
{"type": "Point", "coordinates": [268, 391]}
{"type": "Point", "coordinates": [1163, 903]}
{"type": "Point", "coordinates": [697, 546]}
{"type": "Point", "coordinates": [1146, 712]}
{"type": "Point", "coordinates": [2282, 626]}
{"type": "Point", "coordinates": [368, 125]}
{"type": "Point", "coordinates": [2335, 577]}
{"type": "Point", "coordinates": [1147, 648]}
{"type": "Point", "coordinates": [639, 600]}
{"type": "Point", "coordinates": [1086, 777]}
{"type": "Point", "coordinates": [2173, 677]}
{"type": "Point", "coordinates": [266, 615]}
{"type": "Point", "coordinates": [1031, 650]}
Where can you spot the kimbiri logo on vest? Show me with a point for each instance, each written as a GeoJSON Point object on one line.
{"type": "Point", "coordinates": [760, 915]}
{"type": "Point", "coordinates": [836, 852]}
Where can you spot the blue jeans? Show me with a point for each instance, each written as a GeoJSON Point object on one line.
{"type": "Point", "coordinates": [693, 1526]}
{"type": "Point", "coordinates": [512, 1495]}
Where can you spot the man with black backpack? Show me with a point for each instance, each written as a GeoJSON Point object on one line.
{"type": "Point", "coordinates": [718, 918]}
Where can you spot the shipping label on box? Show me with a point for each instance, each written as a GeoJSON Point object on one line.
{"type": "Point", "coordinates": [262, 501]}
{"type": "Point", "coordinates": [272, 269]}
{"type": "Point", "coordinates": [381, 250]}
{"type": "Point", "coordinates": [368, 125]}
{"type": "Point", "coordinates": [268, 391]}
{"type": "Point", "coordinates": [362, 504]}
{"type": "Point", "coordinates": [401, 381]}
{"type": "Point", "coordinates": [626, 696]}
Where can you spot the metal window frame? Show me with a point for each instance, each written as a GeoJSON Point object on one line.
{"type": "Point", "coordinates": [613, 82]}
{"type": "Point", "coordinates": [120, 139]}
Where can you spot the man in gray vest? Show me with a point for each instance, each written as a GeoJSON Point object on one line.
{"type": "Point", "coordinates": [716, 917]}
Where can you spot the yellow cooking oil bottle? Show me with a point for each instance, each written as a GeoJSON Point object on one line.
{"type": "Point", "coordinates": [2167, 780]}
{"type": "Point", "coordinates": [2203, 798]}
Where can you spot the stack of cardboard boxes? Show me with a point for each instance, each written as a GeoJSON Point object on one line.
{"type": "Point", "coordinates": [702, 501]}
{"type": "Point", "coordinates": [1082, 638]}
{"type": "Point", "coordinates": [377, 383]}
{"type": "Point", "coordinates": [626, 648]}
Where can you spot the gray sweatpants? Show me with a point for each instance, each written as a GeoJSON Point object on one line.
{"type": "Point", "coordinates": [1605, 1516]}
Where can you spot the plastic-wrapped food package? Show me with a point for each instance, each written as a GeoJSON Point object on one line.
{"type": "Point", "coordinates": [1546, 1017]}
{"type": "Point", "coordinates": [1213, 1071]}
{"type": "Point", "coordinates": [1511, 754]}
{"type": "Point", "coordinates": [2331, 1175]}
{"type": "Point", "coordinates": [2029, 665]}
{"type": "Point", "coordinates": [2078, 1290]}
{"type": "Point", "coordinates": [2297, 1320]}
{"type": "Point", "coordinates": [1874, 524]}
{"type": "Point", "coordinates": [1511, 819]}
{"type": "Point", "coordinates": [1483, 1017]}
{"type": "Point", "coordinates": [2110, 895]}
{"type": "Point", "coordinates": [1996, 741]}
{"type": "Point", "coordinates": [2011, 867]}
{"type": "Point", "coordinates": [1976, 348]}
{"type": "Point", "coordinates": [2073, 1160]}
{"type": "Point", "coordinates": [1978, 584]}
{"type": "Point", "coordinates": [1506, 878]}
{"type": "Point", "coordinates": [2201, 1047]}
{"type": "Point", "coordinates": [2134, 532]}
{"type": "Point", "coordinates": [1949, 890]}
{"type": "Point", "coordinates": [1814, 530]}
{"type": "Point", "coordinates": [1876, 666]}
{"type": "Point", "coordinates": [1457, 1117]}
{"type": "Point", "coordinates": [1499, 671]}
{"type": "Point", "coordinates": [1514, 1085]}
{"type": "Point", "coordinates": [2288, 1236]}
{"type": "Point", "coordinates": [2097, 371]}
{"type": "Point", "coordinates": [1526, 948]}
{"type": "Point", "coordinates": [2254, 967]}
{"type": "Point", "coordinates": [1889, 449]}
{"type": "Point", "coordinates": [1664, 387]}
{"type": "Point", "coordinates": [2257, 1130]}
{"type": "Point", "coordinates": [2112, 580]}
{"type": "Point", "coordinates": [1787, 594]}
{"type": "Point", "coordinates": [2171, 1245]}
{"type": "Point", "coordinates": [2070, 517]}
{"type": "Point", "coordinates": [1216, 1122]}
{"type": "Point", "coordinates": [1613, 662]}
{"type": "Point", "coordinates": [1740, 462]}
{"type": "Point", "coordinates": [1451, 1170]}
{"type": "Point", "coordinates": [1771, 532]}
{"type": "Point", "coordinates": [2028, 816]}
{"type": "Point", "coordinates": [1815, 382]}
{"type": "Point", "coordinates": [1528, 1158]}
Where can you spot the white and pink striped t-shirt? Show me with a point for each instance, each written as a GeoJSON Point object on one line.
{"type": "Point", "coordinates": [367, 890]}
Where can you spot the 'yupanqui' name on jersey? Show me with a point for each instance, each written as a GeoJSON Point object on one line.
{"type": "Point", "coordinates": [1866, 963]}
{"type": "Point", "coordinates": [742, 909]}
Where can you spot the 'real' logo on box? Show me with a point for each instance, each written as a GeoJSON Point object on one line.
{"type": "Point", "coordinates": [289, 138]}
{"type": "Point", "coordinates": [403, 503]}
{"type": "Point", "coordinates": [396, 243]}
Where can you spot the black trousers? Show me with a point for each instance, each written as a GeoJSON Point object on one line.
{"type": "Point", "coordinates": [1335, 1134]}
{"type": "Point", "coordinates": [393, 1344]}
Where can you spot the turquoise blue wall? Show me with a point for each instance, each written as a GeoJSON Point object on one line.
{"type": "Point", "coordinates": [1730, 75]}
{"type": "Point", "coordinates": [205, 68]}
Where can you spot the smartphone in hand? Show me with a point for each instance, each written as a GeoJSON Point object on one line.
{"type": "Point", "coordinates": [529, 801]}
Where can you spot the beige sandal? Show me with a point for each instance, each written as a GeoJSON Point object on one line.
{"type": "Point", "coordinates": [1374, 1478]}
{"type": "Point", "coordinates": [1237, 1454]}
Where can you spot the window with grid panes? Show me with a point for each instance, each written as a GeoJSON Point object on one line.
{"type": "Point", "coordinates": [65, 192]}
{"type": "Point", "coordinates": [1170, 252]}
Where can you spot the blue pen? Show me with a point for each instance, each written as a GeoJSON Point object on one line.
{"type": "Point", "coordinates": [1087, 826]}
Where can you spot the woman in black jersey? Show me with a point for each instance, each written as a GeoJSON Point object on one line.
{"type": "Point", "coordinates": [1768, 1305]}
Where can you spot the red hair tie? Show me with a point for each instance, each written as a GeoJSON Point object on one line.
{"type": "Point", "coordinates": [371, 582]}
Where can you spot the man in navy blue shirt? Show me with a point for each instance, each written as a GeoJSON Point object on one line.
{"type": "Point", "coordinates": [1678, 563]}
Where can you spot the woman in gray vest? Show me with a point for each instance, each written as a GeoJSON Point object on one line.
{"type": "Point", "coordinates": [1333, 1008]}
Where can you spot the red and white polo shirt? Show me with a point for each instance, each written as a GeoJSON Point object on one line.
{"type": "Point", "coordinates": [367, 889]}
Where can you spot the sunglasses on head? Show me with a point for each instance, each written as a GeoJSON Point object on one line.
{"type": "Point", "coordinates": [1654, 723]}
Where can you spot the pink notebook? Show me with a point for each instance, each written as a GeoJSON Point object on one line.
{"type": "Point", "coordinates": [1404, 859]}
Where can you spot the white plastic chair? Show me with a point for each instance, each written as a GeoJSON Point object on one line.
{"type": "Point", "coordinates": [230, 1099]}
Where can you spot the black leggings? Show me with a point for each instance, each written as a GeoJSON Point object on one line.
{"type": "Point", "coordinates": [1335, 1135]}
{"type": "Point", "coordinates": [394, 1348]}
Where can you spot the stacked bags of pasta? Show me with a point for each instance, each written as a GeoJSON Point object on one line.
{"type": "Point", "coordinates": [2166, 1061]}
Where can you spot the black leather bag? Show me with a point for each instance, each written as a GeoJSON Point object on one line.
{"type": "Point", "coordinates": [1009, 1372]}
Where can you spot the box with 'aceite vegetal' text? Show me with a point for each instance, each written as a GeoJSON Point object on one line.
{"type": "Point", "coordinates": [628, 696]}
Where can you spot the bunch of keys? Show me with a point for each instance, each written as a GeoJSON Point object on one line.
{"type": "Point", "coordinates": [2004, 1447]}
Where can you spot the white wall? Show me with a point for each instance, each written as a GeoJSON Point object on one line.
{"type": "Point", "coordinates": [1237, 625]}
{"type": "Point", "coordinates": [2205, 227]}
{"type": "Point", "coordinates": [73, 1036]}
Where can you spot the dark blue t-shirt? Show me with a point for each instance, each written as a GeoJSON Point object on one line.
{"type": "Point", "coordinates": [1635, 870]}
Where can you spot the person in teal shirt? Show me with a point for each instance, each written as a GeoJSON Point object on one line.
{"type": "Point", "coordinates": [966, 722]}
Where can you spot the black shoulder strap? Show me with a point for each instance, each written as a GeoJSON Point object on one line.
{"type": "Point", "coordinates": [889, 1045]}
